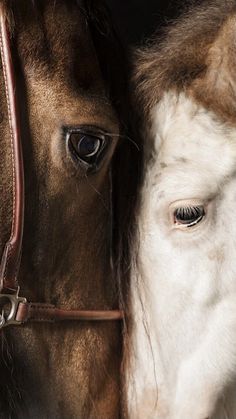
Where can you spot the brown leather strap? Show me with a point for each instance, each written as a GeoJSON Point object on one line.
{"type": "Point", "coordinates": [37, 312]}
{"type": "Point", "coordinates": [12, 253]}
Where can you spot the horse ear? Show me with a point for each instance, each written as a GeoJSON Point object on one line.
{"type": "Point", "coordinates": [216, 89]}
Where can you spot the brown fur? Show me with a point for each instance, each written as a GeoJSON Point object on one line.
{"type": "Point", "coordinates": [68, 371]}
{"type": "Point", "coordinates": [196, 54]}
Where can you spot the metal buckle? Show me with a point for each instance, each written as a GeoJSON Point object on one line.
{"type": "Point", "coordinates": [8, 317]}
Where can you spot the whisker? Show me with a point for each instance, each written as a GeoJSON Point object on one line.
{"type": "Point", "coordinates": [98, 193]}
{"type": "Point", "coordinates": [125, 137]}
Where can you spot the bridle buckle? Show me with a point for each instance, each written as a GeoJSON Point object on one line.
{"type": "Point", "coordinates": [9, 306]}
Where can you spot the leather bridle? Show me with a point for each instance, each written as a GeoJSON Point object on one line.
{"type": "Point", "coordinates": [22, 311]}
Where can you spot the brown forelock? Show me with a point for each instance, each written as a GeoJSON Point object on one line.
{"type": "Point", "coordinates": [60, 371]}
{"type": "Point", "coordinates": [195, 54]}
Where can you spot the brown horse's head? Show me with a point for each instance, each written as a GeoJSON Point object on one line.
{"type": "Point", "coordinates": [65, 56]}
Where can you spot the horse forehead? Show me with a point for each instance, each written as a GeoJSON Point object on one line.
{"type": "Point", "coordinates": [60, 64]}
{"type": "Point", "coordinates": [54, 41]}
{"type": "Point", "coordinates": [185, 133]}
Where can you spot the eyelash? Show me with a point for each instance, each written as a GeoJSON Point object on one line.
{"type": "Point", "coordinates": [193, 211]}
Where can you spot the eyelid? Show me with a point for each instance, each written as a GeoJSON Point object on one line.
{"type": "Point", "coordinates": [190, 202]}
{"type": "Point", "coordinates": [85, 129]}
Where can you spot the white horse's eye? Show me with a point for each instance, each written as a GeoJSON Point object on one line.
{"type": "Point", "coordinates": [189, 216]}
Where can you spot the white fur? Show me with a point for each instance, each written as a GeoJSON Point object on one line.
{"type": "Point", "coordinates": [183, 289]}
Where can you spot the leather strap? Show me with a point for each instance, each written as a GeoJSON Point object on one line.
{"type": "Point", "coordinates": [49, 313]}
{"type": "Point", "coordinates": [22, 311]}
{"type": "Point", "coordinates": [12, 253]}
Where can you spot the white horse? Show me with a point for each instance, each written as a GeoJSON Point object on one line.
{"type": "Point", "coordinates": [181, 362]}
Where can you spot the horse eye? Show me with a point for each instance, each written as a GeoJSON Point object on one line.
{"type": "Point", "coordinates": [189, 216]}
{"type": "Point", "coordinates": [87, 147]}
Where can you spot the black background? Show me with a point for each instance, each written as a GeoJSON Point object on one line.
{"type": "Point", "coordinates": [138, 19]}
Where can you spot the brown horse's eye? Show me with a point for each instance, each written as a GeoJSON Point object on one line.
{"type": "Point", "coordinates": [87, 147]}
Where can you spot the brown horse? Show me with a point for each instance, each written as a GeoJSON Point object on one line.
{"type": "Point", "coordinates": [66, 60]}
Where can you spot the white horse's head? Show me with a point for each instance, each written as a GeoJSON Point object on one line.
{"type": "Point", "coordinates": [183, 287]}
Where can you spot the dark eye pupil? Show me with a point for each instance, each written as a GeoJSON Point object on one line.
{"type": "Point", "coordinates": [88, 146]}
{"type": "Point", "coordinates": [189, 215]}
